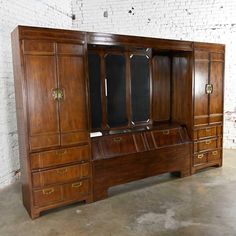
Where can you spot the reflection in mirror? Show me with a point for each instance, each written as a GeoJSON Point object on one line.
{"type": "Point", "coordinates": [140, 88]}
{"type": "Point", "coordinates": [116, 90]}
{"type": "Point", "coordinates": [94, 62]}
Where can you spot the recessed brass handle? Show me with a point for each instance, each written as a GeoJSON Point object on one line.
{"type": "Point", "coordinates": [48, 191]}
{"type": "Point", "coordinates": [62, 171]}
{"type": "Point", "coordinates": [117, 140]}
{"type": "Point", "coordinates": [208, 142]}
{"type": "Point", "coordinates": [60, 152]}
{"type": "Point", "coordinates": [214, 153]}
{"type": "Point", "coordinates": [209, 88]}
{"type": "Point", "coordinates": [76, 185]}
{"type": "Point", "coordinates": [200, 156]}
{"type": "Point", "coordinates": [166, 132]}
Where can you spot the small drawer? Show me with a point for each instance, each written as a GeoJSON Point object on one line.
{"type": "Point", "coordinates": [200, 159]}
{"type": "Point", "coordinates": [60, 175]}
{"type": "Point", "coordinates": [47, 196]}
{"type": "Point", "coordinates": [207, 132]}
{"type": "Point", "coordinates": [214, 156]}
{"type": "Point", "coordinates": [60, 157]}
{"type": "Point", "coordinates": [205, 145]}
{"type": "Point", "coordinates": [167, 137]}
{"type": "Point", "coordinates": [118, 145]}
{"type": "Point", "coordinates": [77, 190]}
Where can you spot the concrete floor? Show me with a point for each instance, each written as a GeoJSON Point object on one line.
{"type": "Point", "coordinates": [203, 204]}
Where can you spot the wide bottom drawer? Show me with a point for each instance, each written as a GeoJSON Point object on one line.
{"type": "Point", "coordinates": [59, 193]}
{"type": "Point", "coordinates": [207, 157]}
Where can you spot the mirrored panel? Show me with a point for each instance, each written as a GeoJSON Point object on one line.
{"type": "Point", "coordinates": [94, 66]}
{"type": "Point", "coordinates": [116, 90]}
{"type": "Point", "coordinates": [140, 88]}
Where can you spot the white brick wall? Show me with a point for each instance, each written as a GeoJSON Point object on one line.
{"type": "Point", "coordinates": [54, 13]}
{"type": "Point", "coordinates": [197, 20]}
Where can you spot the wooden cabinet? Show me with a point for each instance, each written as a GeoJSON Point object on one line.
{"type": "Point", "coordinates": [208, 104]}
{"type": "Point", "coordinates": [157, 103]}
{"type": "Point", "coordinates": [52, 109]}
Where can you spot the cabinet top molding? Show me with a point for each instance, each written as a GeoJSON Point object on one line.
{"type": "Point", "coordinates": [29, 32]}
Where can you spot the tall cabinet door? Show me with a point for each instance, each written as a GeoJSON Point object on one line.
{"type": "Point", "coordinates": [201, 111]}
{"type": "Point", "coordinates": [73, 105]}
{"type": "Point", "coordinates": [216, 80]}
{"type": "Point", "coordinates": [41, 80]}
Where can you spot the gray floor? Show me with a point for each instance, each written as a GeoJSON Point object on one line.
{"type": "Point", "coordinates": [203, 204]}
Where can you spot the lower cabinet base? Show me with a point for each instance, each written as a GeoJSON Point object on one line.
{"type": "Point", "coordinates": [119, 170]}
{"type": "Point", "coordinates": [35, 212]}
{"type": "Point", "coordinates": [195, 169]}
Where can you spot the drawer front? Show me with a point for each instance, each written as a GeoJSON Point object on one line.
{"type": "Point", "coordinates": [60, 175]}
{"type": "Point", "coordinates": [200, 159]}
{"type": "Point", "coordinates": [77, 190]}
{"type": "Point", "coordinates": [118, 145]}
{"type": "Point", "coordinates": [60, 157]}
{"type": "Point", "coordinates": [214, 156]}
{"type": "Point", "coordinates": [205, 145]}
{"type": "Point", "coordinates": [166, 137]}
{"type": "Point", "coordinates": [48, 196]}
{"type": "Point", "coordinates": [207, 132]}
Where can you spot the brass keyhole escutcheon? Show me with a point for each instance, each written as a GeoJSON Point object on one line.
{"type": "Point", "coordinates": [209, 88]}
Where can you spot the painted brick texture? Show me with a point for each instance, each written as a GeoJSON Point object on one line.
{"type": "Point", "coordinates": [197, 20]}
{"type": "Point", "coordinates": [55, 13]}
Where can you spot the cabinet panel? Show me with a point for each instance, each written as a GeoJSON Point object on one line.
{"type": "Point", "coordinates": [43, 109]}
{"type": "Point", "coordinates": [94, 66]}
{"type": "Point", "coordinates": [73, 106]}
{"type": "Point", "coordinates": [161, 88]}
{"type": "Point", "coordinates": [216, 79]}
{"type": "Point", "coordinates": [201, 79]}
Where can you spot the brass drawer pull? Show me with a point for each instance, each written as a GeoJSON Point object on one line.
{"type": "Point", "coordinates": [117, 140]}
{"type": "Point", "coordinates": [62, 171]}
{"type": "Point", "coordinates": [60, 152]}
{"type": "Point", "coordinates": [214, 153]}
{"type": "Point", "coordinates": [166, 132]}
{"type": "Point", "coordinates": [208, 142]}
{"type": "Point", "coordinates": [200, 156]}
{"type": "Point", "coordinates": [76, 185]}
{"type": "Point", "coordinates": [48, 191]}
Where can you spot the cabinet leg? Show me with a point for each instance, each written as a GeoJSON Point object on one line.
{"type": "Point", "coordinates": [100, 194]}
{"type": "Point", "coordinates": [34, 214]}
{"type": "Point", "coordinates": [185, 173]}
{"type": "Point", "coordinates": [89, 200]}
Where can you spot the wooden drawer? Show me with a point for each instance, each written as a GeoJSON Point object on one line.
{"type": "Point", "coordinates": [205, 145]}
{"type": "Point", "coordinates": [77, 190]}
{"type": "Point", "coordinates": [60, 175]}
{"type": "Point", "coordinates": [206, 132]}
{"type": "Point", "coordinates": [200, 159]}
{"type": "Point", "coordinates": [47, 196]}
{"type": "Point", "coordinates": [166, 137]}
{"type": "Point", "coordinates": [214, 156]}
{"type": "Point", "coordinates": [59, 157]}
{"type": "Point", "coordinates": [118, 145]}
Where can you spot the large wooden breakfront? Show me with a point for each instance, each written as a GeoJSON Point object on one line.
{"type": "Point", "coordinates": [96, 110]}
